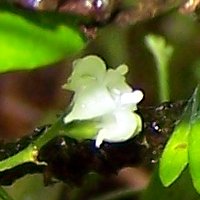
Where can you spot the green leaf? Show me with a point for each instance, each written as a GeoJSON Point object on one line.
{"type": "Point", "coordinates": [4, 195]}
{"type": "Point", "coordinates": [175, 158]}
{"type": "Point", "coordinates": [194, 141]}
{"type": "Point", "coordinates": [194, 154]}
{"type": "Point", "coordinates": [29, 40]}
{"type": "Point", "coordinates": [175, 155]}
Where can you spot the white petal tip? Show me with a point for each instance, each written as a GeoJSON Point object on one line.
{"type": "Point", "coordinates": [132, 97]}
{"type": "Point", "coordinates": [99, 138]}
{"type": "Point", "coordinates": [138, 95]}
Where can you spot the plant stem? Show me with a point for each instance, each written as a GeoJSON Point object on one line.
{"type": "Point", "coordinates": [26, 155]}
{"type": "Point", "coordinates": [163, 81]}
{"type": "Point", "coordinates": [29, 154]}
{"type": "Point", "coordinates": [162, 53]}
{"type": "Point", "coordinates": [49, 134]}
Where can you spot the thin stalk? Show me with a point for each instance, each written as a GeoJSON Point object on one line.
{"type": "Point", "coordinates": [52, 132]}
{"type": "Point", "coordinates": [30, 153]}
{"type": "Point", "coordinates": [163, 81]}
{"type": "Point", "coordinates": [162, 53]}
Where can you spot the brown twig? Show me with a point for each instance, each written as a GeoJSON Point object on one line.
{"type": "Point", "coordinates": [145, 10]}
{"type": "Point", "coordinates": [70, 160]}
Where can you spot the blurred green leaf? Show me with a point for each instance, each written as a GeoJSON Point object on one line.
{"type": "Point", "coordinates": [29, 40]}
{"type": "Point", "coordinates": [31, 187]}
{"type": "Point", "coordinates": [4, 195]}
{"type": "Point", "coordinates": [181, 189]}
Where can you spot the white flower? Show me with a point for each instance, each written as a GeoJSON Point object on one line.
{"type": "Point", "coordinates": [104, 94]}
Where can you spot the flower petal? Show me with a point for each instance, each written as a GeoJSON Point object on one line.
{"type": "Point", "coordinates": [115, 79]}
{"type": "Point", "coordinates": [93, 101]}
{"type": "Point", "coordinates": [88, 68]}
{"type": "Point", "coordinates": [124, 126]}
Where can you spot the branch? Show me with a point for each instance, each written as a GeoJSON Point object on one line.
{"type": "Point", "coordinates": [145, 9]}
{"type": "Point", "coordinates": [113, 11]}
{"type": "Point", "coordinates": [70, 160]}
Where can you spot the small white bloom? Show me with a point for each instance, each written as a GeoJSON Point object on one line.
{"type": "Point", "coordinates": [104, 94]}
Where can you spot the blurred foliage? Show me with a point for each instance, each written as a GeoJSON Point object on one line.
{"type": "Point", "coordinates": [31, 187]}
{"type": "Point", "coordinates": [181, 189]}
{"type": "Point", "coordinates": [30, 40]}
{"type": "Point", "coordinates": [4, 195]}
{"type": "Point", "coordinates": [125, 45]}
{"type": "Point", "coordinates": [129, 48]}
